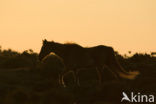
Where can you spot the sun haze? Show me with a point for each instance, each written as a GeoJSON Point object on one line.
{"type": "Point", "coordinates": [126, 25]}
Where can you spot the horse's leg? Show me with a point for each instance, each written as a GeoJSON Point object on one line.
{"type": "Point", "coordinates": [109, 69]}
{"type": "Point", "coordinates": [99, 72]}
{"type": "Point", "coordinates": [76, 77]}
{"type": "Point", "coordinates": [62, 78]}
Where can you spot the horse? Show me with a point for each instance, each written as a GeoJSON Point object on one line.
{"type": "Point", "coordinates": [73, 55]}
{"type": "Point", "coordinates": [104, 57]}
{"type": "Point", "coordinates": [76, 57]}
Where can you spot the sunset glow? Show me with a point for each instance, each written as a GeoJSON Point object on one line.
{"type": "Point", "coordinates": [126, 25]}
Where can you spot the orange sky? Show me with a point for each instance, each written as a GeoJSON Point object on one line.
{"type": "Point", "coordinates": [123, 24]}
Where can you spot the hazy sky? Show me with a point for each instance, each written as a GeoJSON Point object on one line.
{"type": "Point", "coordinates": [123, 24]}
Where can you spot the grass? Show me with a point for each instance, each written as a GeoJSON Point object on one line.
{"type": "Point", "coordinates": [34, 87]}
{"type": "Point", "coordinates": [25, 81]}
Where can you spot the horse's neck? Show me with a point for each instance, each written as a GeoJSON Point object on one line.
{"type": "Point", "coordinates": [59, 49]}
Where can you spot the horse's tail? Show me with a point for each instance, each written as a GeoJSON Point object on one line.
{"type": "Point", "coordinates": [115, 65]}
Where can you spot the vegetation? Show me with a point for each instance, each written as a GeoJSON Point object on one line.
{"type": "Point", "coordinates": [24, 80]}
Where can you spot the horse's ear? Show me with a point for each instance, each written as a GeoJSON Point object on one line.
{"type": "Point", "coordinates": [45, 41]}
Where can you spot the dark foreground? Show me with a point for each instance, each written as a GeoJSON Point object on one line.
{"type": "Point", "coordinates": [22, 81]}
{"type": "Point", "coordinates": [29, 86]}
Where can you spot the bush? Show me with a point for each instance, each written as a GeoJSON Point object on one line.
{"type": "Point", "coordinates": [13, 59]}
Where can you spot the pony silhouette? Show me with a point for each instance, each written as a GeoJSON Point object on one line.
{"type": "Point", "coordinates": [73, 55]}
{"type": "Point", "coordinates": [104, 57]}
{"type": "Point", "coordinates": [76, 57]}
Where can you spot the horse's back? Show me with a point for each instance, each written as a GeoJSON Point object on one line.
{"type": "Point", "coordinates": [76, 56]}
{"type": "Point", "coordinates": [100, 53]}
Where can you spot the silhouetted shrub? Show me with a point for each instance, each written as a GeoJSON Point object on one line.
{"type": "Point", "coordinates": [13, 59]}
{"type": "Point", "coordinates": [42, 87]}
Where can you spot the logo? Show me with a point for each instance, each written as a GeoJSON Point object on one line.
{"type": "Point", "coordinates": [137, 97]}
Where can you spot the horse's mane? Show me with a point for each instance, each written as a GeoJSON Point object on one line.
{"type": "Point", "coordinates": [72, 44]}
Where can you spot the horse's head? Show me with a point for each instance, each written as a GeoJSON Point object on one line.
{"type": "Point", "coordinates": [47, 47]}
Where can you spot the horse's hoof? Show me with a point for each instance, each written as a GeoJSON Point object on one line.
{"type": "Point", "coordinates": [64, 85]}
